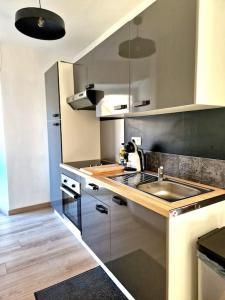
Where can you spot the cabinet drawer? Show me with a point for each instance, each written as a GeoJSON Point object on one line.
{"type": "Point", "coordinates": [97, 191]}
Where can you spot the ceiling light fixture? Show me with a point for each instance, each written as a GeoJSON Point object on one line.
{"type": "Point", "coordinates": [40, 23]}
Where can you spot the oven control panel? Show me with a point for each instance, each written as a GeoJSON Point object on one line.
{"type": "Point", "coordinates": [70, 183]}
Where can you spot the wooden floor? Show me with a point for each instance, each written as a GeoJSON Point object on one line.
{"type": "Point", "coordinates": [36, 251]}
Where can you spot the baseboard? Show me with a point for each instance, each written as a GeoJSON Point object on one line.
{"type": "Point", "coordinates": [29, 208]}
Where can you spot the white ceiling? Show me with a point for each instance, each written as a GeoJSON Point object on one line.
{"type": "Point", "coordinates": [85, 21]}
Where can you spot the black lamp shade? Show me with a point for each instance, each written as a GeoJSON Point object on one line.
{"type": "Point", "coordinates": [40, 23]}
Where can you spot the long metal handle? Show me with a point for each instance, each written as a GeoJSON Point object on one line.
{"type": "Point", "coordinates": [142, 103]}
{"type": "Point", "coordinates": [69, 193]}
{"type": "Point", "coordinates": [119, 107]}
{"type": "Point", "coordinates": [102, 209]}
{"type": "Point", "coordinates": [93, 186]}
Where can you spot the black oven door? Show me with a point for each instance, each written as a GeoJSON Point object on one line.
{"type": "Point", "coordinates": [72, 206]}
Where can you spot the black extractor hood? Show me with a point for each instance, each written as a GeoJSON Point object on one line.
{"type": "Point", "coordinates": [86, 100]}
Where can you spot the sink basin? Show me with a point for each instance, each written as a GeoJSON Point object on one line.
{"type": "Point", "coordinates": [170, 190]}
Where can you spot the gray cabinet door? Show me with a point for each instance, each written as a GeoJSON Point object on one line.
{"type": "Point", "coordinates": [112, 73]}
{"type": "Point", "coordinates": [52, 92]}
{"type": "Point", "coordinates": [138, 249]}
{"type": "Point", "coordinates": [162, 50]}
{"type": "Point", "coordinates": [81, 73]}
{"type": "Point", "coordinates": [95, 218]}
{"type": "Point", "coordinates": [55, 157]}
{"type": "Point", "coordinates": [109, 72]}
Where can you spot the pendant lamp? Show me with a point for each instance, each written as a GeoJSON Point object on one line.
{"type": "Point", "coordinates": [40, 23]}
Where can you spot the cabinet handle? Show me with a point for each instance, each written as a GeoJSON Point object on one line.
{"type": "Point", "coordinates": [93, 186]}
{"type": "Point", "coordinates": [102, 209]}
{"type": "Point", "coordinates": [142, 103]}
{"type": "Point", "coordinates": [89, 86]}
{"type": "Point", "coordinates": [119, 107]}
{"type": "Point", "coordinates": [56, 124]}
{"type": "Point", "coordinates": [56, 115]}
{"type": "Point", "coordinates": [120, 201]}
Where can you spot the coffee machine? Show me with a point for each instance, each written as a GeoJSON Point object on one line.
{"type": "Point", "coordinates": [135, 157]}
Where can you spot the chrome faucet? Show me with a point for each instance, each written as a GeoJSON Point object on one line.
{"type": "Point", "coordinates": [160, 173]}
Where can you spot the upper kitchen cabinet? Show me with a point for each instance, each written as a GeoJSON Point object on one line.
{"type": "Point", "coordinates": [176, 57]}
{"type": "Point", "coordinates": [110, 73]}
{"type": "Point", "coordinates": [162, 55]}
{"type": "Point", "coordinates": [169, 58]}
{"type": "Point", "coordinates": [81, 71]}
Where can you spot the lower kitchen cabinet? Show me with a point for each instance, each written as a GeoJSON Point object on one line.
{"type": "Point", "coordinates": [95, 216]}
{"type": "Point", "coordinates": [128, 238]}
{"type": "Point", "coordinates": [138, 249]}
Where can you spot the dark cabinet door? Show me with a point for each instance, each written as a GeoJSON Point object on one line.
{"type": "Point", "coordinates": [81, 73]}
{"type": "Point", "coordinates": [55, 156]}
{"type": "Point", "coordinates": [138, 249]}
{"type": "Point", "coordinates": [95, 218]}
{"type": "Point", "coordinates": [111, 73]}
{"type": "Point", "coordinates": [162, 55]}
{"type": "Point", "coordinates": [108, 71]}
{"type": "Point", "coordinates": [52, 92]}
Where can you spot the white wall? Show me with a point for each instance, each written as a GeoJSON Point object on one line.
{"type": "Point", "coordinates": [25, 126]}
{"type": "Point", "coordinates": [4, 201]}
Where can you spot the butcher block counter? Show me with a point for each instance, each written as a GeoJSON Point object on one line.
{"type": "Point", "coordinates": [151, 202]}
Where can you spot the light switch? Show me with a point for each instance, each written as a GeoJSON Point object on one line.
{"type": "Point", "coordinates": [137, 140]}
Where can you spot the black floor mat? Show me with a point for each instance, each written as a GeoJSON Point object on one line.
{"type": "Point", "coordinates": [94, 284]}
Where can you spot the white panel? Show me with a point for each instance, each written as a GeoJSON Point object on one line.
{"type": "Point", "coordinates": [80, 129]}
{"type": "Point", "coordinates": [112, 135]}
{"type": "Point", "coordinates": [184, 231]}
{"type": "Point", "coordinates": [210, 87]}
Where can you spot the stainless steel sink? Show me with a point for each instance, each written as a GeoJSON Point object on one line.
{"type": "Point", "coordinates": [170, 190]}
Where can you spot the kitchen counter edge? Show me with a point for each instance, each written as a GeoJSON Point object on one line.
{"type": "Point", "coordinates": [155, 204]}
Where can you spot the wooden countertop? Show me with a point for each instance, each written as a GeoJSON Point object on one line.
{"type": "Point", "coordinates": [151, 202]}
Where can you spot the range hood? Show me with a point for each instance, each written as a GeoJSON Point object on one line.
{"type": "Point", "coordinates": [86, 100]}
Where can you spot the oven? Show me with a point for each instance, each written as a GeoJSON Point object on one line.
{"type": "Point", "coordinates": [71, 200]}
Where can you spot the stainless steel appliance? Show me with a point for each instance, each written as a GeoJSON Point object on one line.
{"type": "Point", "coordinates": [86, 100]}
{"type": "Point", "coordinates": [71, 200]}
{"type": "Point", "coordinates": [211, 265]}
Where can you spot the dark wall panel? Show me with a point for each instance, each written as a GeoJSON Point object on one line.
{"type": "Point", "coordinates": [196, 133]}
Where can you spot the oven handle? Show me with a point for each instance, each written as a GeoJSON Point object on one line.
{"type": "Point", "coordinates": [69, 193]}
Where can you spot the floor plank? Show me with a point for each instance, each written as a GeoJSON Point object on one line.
{"type": "Point", "coordinates": [36, 251]}
{"type": "Point", "coordinates": [2, 269]}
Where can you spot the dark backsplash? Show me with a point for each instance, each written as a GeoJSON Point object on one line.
{"type": "Point", "coordinates": [195, 133]}
{"type": "Point", "coordinates": [190, 145]}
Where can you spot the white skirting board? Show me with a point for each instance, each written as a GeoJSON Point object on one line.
{"type": "Point", "coordinates": [77, 234]}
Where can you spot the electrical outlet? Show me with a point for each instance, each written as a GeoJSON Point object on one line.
{"type": "Point", "coordinates": [137, 140]}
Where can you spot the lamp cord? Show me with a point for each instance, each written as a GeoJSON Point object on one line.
{"type": "Point", "coordinates": [40, 3]}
